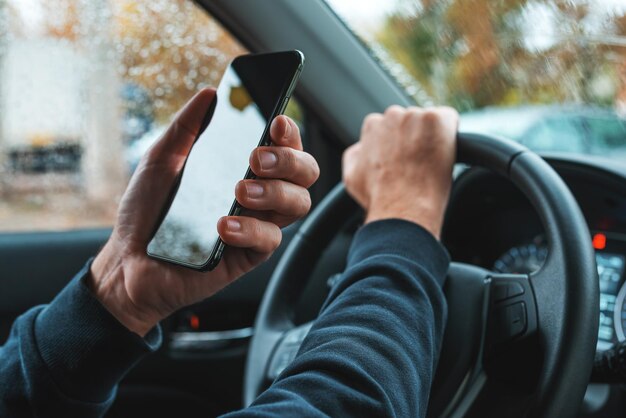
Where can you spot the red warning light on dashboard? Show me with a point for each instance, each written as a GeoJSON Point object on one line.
{"type": "Point", "coordinates": [599, 241]}
{"type": "Point", "coordinates": [194, 322]}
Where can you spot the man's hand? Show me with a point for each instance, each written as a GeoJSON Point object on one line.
{"type": "Point", "coordinates": [140, 291]}
{"type": "Point", "coordinates": [402, 165]}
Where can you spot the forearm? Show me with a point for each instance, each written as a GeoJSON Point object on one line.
{"type": "Point", "coordinates": [375, 344]}
{"type": "Point", "coordinates": [66, 358]}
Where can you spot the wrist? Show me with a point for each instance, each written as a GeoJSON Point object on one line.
{"type": "Point", "coordinates": [421, 211]}
{"type": "Point", "coordinates": [107, 281]}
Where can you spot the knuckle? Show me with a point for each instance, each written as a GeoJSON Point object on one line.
{"type": "Point", "coordinates": [306, 204]}
{"type": "Point", "coordinates": [346, 178]}
{"type": "Point", "coordinates": [316, 171]}
{"type": "Point", "coordinates": [279, 193]}
{"type": "Point", "coordinates": [301, 203]}
{"type": "Point", "coordinates": [413, 115]}
{"type": "Point", "coordinates": [450, 111]}
{"type": "Point", "coordinates": [349, 179]}
{"type": "Point", "coordinates": [255, 230]}
{"type": "Point", "coordinates": [414, 111]}
{"type": "Point", "coordinates": [277, 237]}
{"type": "Point", "coordinates": [431, 117]}
{"type": "Point", "coordinates": [371, 119]}
{"type": "Point", "coordinates": [311, 170]}
{"type": "Point", "coordinates": [288, 159]}
{"type": "Point", "coordinates": [394, 110]}
{"type": "Point", "coordinates": [348, 154]}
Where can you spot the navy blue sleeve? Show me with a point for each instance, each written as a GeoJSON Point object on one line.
{"type": "Point", "coordinates": [374, 348]}
{"type": "Point", "coordinates": [372, 351]}
{"type": "Point", "coordinates": [65, 359]}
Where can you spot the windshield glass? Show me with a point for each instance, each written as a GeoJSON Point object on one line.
{"type": "Point", "coordinates": [550, 74]}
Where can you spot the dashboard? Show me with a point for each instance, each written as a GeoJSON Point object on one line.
{"type": "Point", "coordinates": [491, 224]}
{"type": "Point", "coordinates": [610, 251]}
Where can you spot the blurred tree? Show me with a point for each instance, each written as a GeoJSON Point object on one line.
{"type": "Point", "coordinates": [461, 61]}
{"type": "Point", "coordinates": [167, 48]}
{"type": "Point", "coordinates": [618, 54]}
{"type": "Point", "coordinates": [570, 65]}
{"type": "Point", "coordinates": [473, 53]}
{"type": "Point", "coordinates": [63, 18]}
{"type": "Point", "coordinates": [171, 48]}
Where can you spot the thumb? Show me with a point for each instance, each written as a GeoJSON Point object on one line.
{"type": "Point", "coordinates": [186, 126]}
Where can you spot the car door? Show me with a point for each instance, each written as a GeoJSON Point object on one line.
{"type": "Point", "coordinates": [85, 89]}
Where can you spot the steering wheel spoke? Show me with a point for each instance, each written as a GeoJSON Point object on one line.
{"type": "Point", "coordinates": [286, 350]}
{"type": "Point", "coordinates": [512, 312]}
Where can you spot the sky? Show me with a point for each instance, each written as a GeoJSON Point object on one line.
{"type": "Point", "coordinates": [30, 11]}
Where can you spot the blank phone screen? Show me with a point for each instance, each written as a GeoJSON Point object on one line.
{"type": "Point", "coordinates": [251, 91]}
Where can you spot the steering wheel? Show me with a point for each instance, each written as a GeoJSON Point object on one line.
{"type": "Point", "coordinates": [514, 345]}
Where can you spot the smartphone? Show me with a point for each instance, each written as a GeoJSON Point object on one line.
{"type": "Point", "coordinates": [254, 89]}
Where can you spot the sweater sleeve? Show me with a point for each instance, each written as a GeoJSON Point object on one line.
{"type": "Point", "coordinates": [374, 347]}
{"type": "Point", "coordinates": [66, 358]}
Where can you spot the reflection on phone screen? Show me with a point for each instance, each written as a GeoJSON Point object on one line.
{"type": "Point", "coordinates": [250, 93]}
{"type": "Point", "coordinates": [218, 161]}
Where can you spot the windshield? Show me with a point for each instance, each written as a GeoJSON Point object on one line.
{"type": "Point", "coordinates": [550, 74]}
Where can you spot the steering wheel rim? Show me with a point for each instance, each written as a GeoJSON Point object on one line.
{"type": "Point", "coordinates": [564, 291]}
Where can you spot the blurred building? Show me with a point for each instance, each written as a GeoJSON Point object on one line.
{"type": "Point", "coordinates": [60, 107]}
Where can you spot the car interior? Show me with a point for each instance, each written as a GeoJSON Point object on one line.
{"type": "Point", "coordinates": [536, 289]}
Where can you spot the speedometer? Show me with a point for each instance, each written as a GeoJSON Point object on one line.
{"type": "Point", "coordinates": [523, 259]}
{"type": "Point", "coordinates": [612, 309]}
{"type": "Point", "coordinates": [613, 271]}
{"type": "Point", "coordinates": [620, 314]}
{"type": "Point", "coordinates": [611, 262]}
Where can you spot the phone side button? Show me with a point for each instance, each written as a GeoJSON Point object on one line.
{"type": "Point", "coordinates": [220, 251]}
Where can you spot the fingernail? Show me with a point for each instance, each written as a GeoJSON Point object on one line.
{"type": "Point", "coordinates": [267, 159]}
{"type": "Point", "coordinates": [287, 129]}
{"type": "Point", "coordinates": [254, 190]}
{"type": "Point", "coordinates": [233, 225]}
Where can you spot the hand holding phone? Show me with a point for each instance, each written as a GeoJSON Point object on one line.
{"type": "Point", "coordinates": [139, 290]}
{"type": "Point", "coordinates": [254, 89]}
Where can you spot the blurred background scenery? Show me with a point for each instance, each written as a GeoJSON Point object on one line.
{"type": "Point", "coordinates": [86, 87]}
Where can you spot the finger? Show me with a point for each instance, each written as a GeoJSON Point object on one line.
{"type": "Point", "coordinates": [285, 163]}
{"type": "Point", "coordinates": [349, 159]}
{"type": "Point", "coordinates": [394, 115]}
{"type": "Point", "coordinates": [285, 132]}
{"type": "Point", "coordinates": [250, 233]}
{"type": "Point", "coordinates": [277, 219]}
{"type": "Point", "coordinates": [186, 126]}
{"type": "Point", "coordinates": [370, 121]}
{"type": "Point", "coordinates": [274, 195]}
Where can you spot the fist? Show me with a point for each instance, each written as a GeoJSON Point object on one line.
{"type": "Point", "coordinates": [402, 165]}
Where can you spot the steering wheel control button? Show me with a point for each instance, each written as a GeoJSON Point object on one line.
{"type": "Point", "coordinates": [512, 312]}
{"type": "Point", "coordinates": [514, 320]}
{"type": "Point", "coordinates": [503, 291]}
{"type": "Point", "coordinates": [515, 289]}
{"type": "Point", "coordinates": [500, 291]}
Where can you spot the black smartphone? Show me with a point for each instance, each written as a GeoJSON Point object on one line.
{"type": "Point", "coordinates": [254, 89]}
